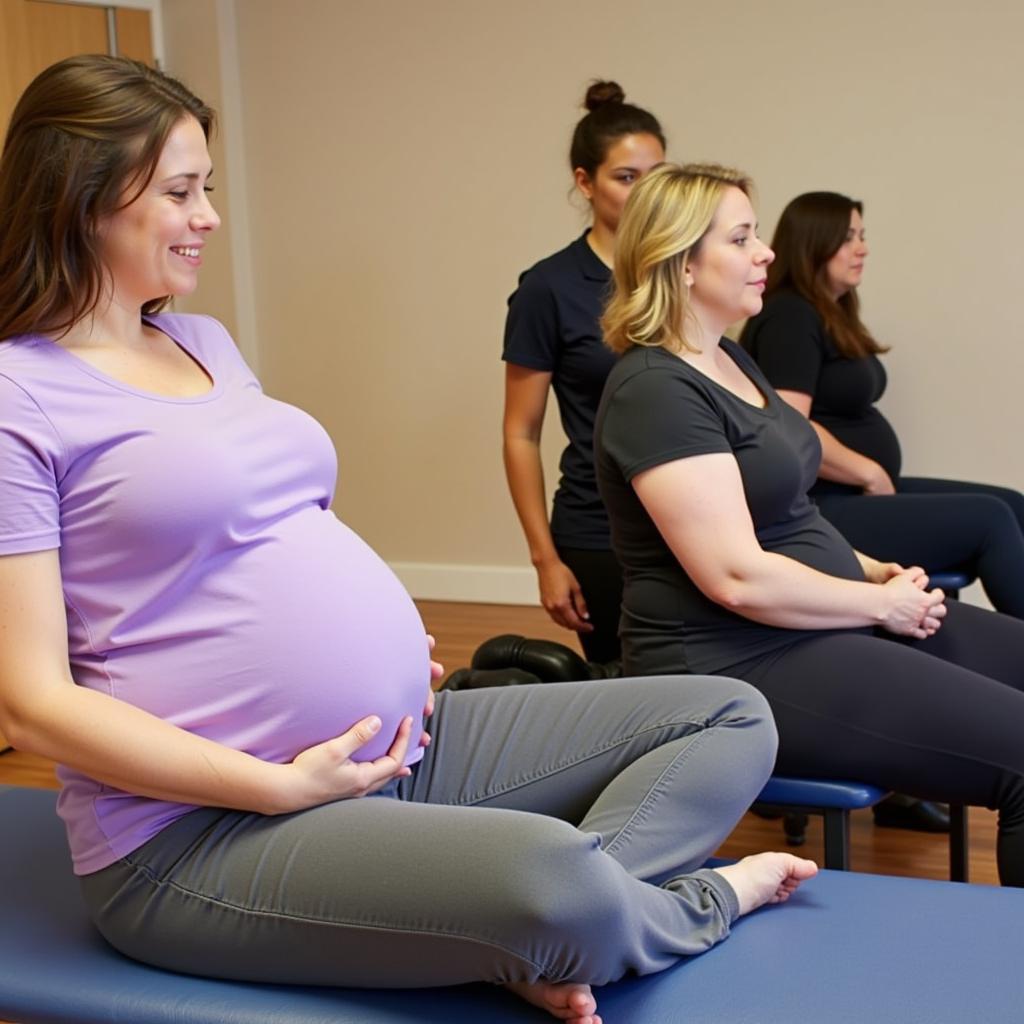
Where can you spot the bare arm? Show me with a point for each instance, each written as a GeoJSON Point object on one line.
{"type": "Point", "coordinates": [43, 711]}
{"type": "Point", "coordinates": [838, 462]}
{"type": "Point", "coordinates": [699, 507]}
{"type": "Point", "coordinates": [526, 398]}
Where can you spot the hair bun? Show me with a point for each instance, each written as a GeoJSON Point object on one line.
{"type": "Point", "coordinates": [602, 94]}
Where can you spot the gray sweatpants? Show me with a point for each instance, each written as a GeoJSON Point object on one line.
{"type": "Point", "coordinates": [551, 831]}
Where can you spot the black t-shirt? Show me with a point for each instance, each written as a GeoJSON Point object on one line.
{"type": "Point", "coordinates": [656, 409]}
{"type": "Point", "coordinates": [789, 342]}
{"type": "Point", "coordinates": [553, 325]}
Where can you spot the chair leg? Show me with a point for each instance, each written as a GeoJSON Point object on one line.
{"type": "Point", "coordinates": [837, 839]}
{"type": "Point", "coordinates": [958, 843]}
{"type": "Point", "coordinates": [795, 826]}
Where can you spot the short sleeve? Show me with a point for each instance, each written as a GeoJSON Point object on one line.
{"type": "Point", "coordinates": [532, 327]}
{"type": "Point", "coordinates": [29, 499]}
{"type": "Point", "coordinates": [788, 344]}
{"type": "Point", "coordinates": [656, 417]}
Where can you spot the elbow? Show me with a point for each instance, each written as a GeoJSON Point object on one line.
{"type": "Point", "coordinates": [729, 596]}
{"type": "Point", "coordinates": [513, 434]}
{"type": "Point", "coordinates": [20, 731]}
{"type": "Point", "coordinates": [730, 592]}
{"type": "Point", "coordinates": [13, 732]}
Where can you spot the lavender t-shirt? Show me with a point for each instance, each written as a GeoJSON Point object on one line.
{"type": "Point", "coordinates": [205, 577]}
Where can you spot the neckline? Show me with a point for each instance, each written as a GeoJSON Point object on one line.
{"type": "Point", "coordinates": [770, 408]}
{"type": "Point", "coordinates": [152, 396]}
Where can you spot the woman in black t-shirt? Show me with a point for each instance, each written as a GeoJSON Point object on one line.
{"type": "Point", "coordinates": [553, 340]}
{"type": "Point", "coordinates": [729, 567]}
{"type": "Point", "coordinates": [812, 347]}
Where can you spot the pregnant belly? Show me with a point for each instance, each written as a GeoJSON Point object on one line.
{"type": "Point", "coordinates": [317, 633]}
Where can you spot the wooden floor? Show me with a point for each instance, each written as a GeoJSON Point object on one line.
{"type": "Point", "coordinates": [459, 628]}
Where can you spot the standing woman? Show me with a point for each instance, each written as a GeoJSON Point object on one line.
{"type": "Point", "coordinates": [553, 341]}
{"type": "Point", "coordinates": [730, 568]}
{"type": "Point", "coordinates": [812, 346]}
{"type": "Point", "coordinates": [234, 682]}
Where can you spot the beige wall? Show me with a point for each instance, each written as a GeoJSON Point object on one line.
{"type": "Point", "coordinates": [404, 160]}
{"type": "Point", "coordinates": [191, 38]}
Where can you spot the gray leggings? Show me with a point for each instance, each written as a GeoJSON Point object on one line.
{"type": "Point", "coordinates": [551, 831]}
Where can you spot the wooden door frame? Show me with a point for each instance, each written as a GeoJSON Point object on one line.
{"type": "Point", "coordinates": [155, 8]}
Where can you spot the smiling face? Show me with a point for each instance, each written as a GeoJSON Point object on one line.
{"type": "Point", "coordinates": [152, 247]}
{"type": "Point", "coordinates": [726, 275]}
{"type": "Point", "coordinates": [626, 161]}
{"type": "Point", "coordinates": [845, 268]}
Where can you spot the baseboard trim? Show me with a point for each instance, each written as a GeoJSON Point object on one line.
{"type": "Point", "coordinates": [484, 584]}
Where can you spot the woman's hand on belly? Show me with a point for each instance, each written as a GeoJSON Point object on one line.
{"type": "Point", "coordinates": [326, 772]}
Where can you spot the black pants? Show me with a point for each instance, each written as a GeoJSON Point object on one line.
{"type": "Point", "coordinates": [600, 579]}
{"type": "Point", "coordinates": [940, 719]}
{"type": "Point", "coordinates": [942, 525]}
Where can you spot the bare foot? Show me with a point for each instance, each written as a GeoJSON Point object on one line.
{"type": "Point", "coordinates": [766, 878]}
{"type": "Point", "coordinates": [565, 1000]}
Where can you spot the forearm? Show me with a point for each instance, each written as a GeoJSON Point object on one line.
{"type": "Point", "coordinates": [525, 474]}
{"type": "Point", "coordinates": [842, 464]}
{"type": "Point", "coordinates": [128, 748]}
{"type": "Point", "coordinates": [779, 591]}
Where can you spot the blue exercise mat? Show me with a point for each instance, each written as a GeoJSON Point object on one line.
{"type": "Point", "coordinates": [847, 948]}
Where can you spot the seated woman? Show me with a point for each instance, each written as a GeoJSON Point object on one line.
{"type": "Point", "coordinates": [230, 677]}
{"type": "Point", "coordinates": [730, 568]}
{"type": "Point", "coordinates": [811, 345]}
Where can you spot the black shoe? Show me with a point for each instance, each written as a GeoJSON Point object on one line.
{"type": "Point", "coordinates": [899, 811]}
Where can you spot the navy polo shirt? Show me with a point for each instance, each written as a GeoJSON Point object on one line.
{"type": "Point", "coordinates": [553, 326]}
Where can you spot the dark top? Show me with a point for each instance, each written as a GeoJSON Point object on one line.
{"type": "Point", "coordinates": [552, 325]}
{"type": "Point", "coordinates": [789, 342]}
{"type": "Point", "coordinates": [656, 409]}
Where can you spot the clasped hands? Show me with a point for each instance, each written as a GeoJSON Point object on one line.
{"type": "Point", "coordinates": [911, 609]}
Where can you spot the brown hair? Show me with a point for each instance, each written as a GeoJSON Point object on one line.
{"type": "Point", "coordinates": [810, 232]}
{"type": "Point", "coordinates": [83, 142]}
{"type": "Point", "coordinates": [667, 215]}
{"type": "Point", "coordinates": [609, 118]}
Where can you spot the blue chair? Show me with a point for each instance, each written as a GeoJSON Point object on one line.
{"type": "Point", "coordinates": [951, 583]}
{"type": "Point", "coordinates": [809, 960]}
{"type": "Point", "coordinates": [833, 799]}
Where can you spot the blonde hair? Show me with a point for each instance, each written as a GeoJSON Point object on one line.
{"type": "Point", "coordinates": [668, 213]}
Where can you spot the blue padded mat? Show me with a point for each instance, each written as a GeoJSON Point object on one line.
{"type": "Point", "coordinates": [847, 948]}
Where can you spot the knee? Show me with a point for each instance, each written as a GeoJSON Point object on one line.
{"type": "Point", "coordinates": [737, 705]}
{"type": "Point", "coordinates": [1014, 501]}
{"type": "Point", "coordinates": [559, 883]}
{"type": "Point", "coordinates": [999, 518]}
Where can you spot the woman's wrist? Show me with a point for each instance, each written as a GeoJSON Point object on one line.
{"type": "Point", "coordinates": [545, 559]}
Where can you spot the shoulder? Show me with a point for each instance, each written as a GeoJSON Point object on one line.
{"type": "Point", "coordinates": [24, 424]}
{"type": "Point", "coordinates": [575, 265]}
{"type": "Point", "coordinates": [198, 328]}
{"type": "Point", "coordinates": [653, 378]}
{"type": "Point", "coordinates": [656, 408]}
{"type": "Point", "coordinates": [29, 366]}
{"type": "Point", "coordinates": [789, 307]}
{"type": "Point", "coordinates": [203, 336]}
{"type": "Point", "coordinates": [739, 354]}
{"type": "Point", "coordinates": [23, 353]}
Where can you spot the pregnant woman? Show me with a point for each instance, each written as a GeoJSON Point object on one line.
{"type": "Point", "coordinates": [812, 346]}
{"type": "Point", "coordinates": [731, 569]}
{"type": "Point", "coordinates": [233, 681]}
